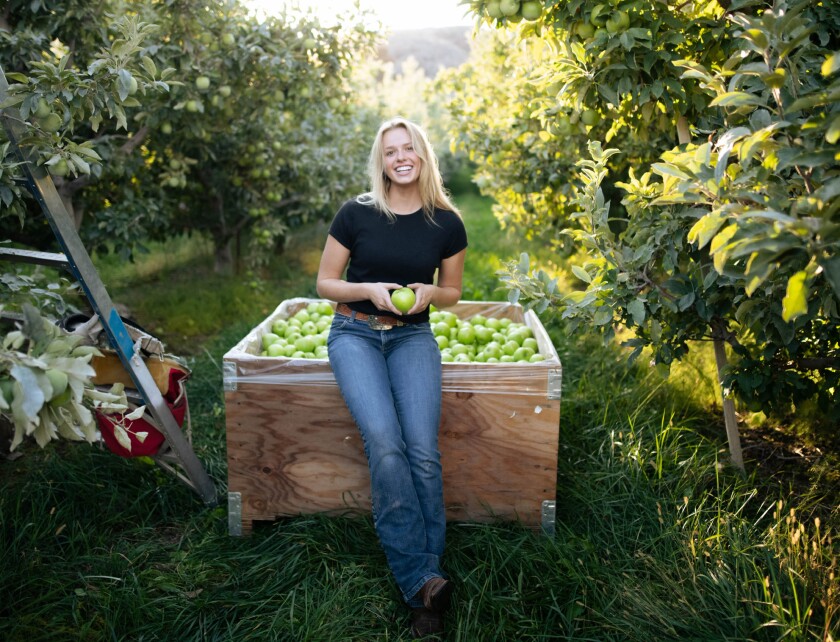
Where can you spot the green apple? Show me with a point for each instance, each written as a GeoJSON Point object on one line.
{"type": "Point", "coordinates": [403, 299]}
{"type": "Point", "coordinates": [590, 117]}
{"type": "Point", "coordinates": [523, 354]}
{"type": "Point", "coordinates": [483, 334]}
{"type": "Point", "coordinates": [306, 344]}
{"type": "Point", "coordinates": [466, 334]}
{"type": "Point", "coordinates": [202, 82]}
{"type": "Point", "coordinates": [458, 348]}
{"type": "Point", "coordinates": [441, 329]}
{"type": "Point", "coordinates": [52, 123]}
{"type": "Point", "coordinates": [494, 9]}
{"type": "Point", "coordinates": [268, 338]}
{"type": "Point", "coordinates": [617, 22]}
{"type": "Point", "coordinates": [325, 308]}
{"type": "Point", "coordinates": [510, 347]}
{"type": "Point", "coordinates": [61, 168]}
{"type": "Point", "coordinates": [531, 9]}
{"type": "Point", "coordinates": [509, 7]}
{"type": "Point", "coordinates": [42, 109]}
{"type": "Point", "coordinates": [228, 39]}
{"type": "Point", "coordinates": [277, 349]}
{"type": "Point", "coordinates": [598, 16]}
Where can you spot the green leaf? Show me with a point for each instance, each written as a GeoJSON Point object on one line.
{"type": "Point", "coordinates": [636, 308]}
{"type": "Point", "coordinates": [831, 64]}
{"type": "Point", "coordinates": [524, 263]}
{"type": "Point", "coordinates": [705, 229]}
{"type": "Point", "coordinates": [795, 302]}
{"type": "Point", "coordinates": [666, 169]}
{"type": "Point", "coordinates": [758, 37]}
{"type": "Point", "coordinates": [29, 403]}
{"type": "Point", "coordinates": [602, 316]}
{"type": "Point", "coordinates": [736, 99]}
{"type": "Point", "coordinates": [149, 66]}
{"type": "Point", "coordinates": [833, 133]}
{"type": "Point", "coordinates": [582, 274]}
{"type": "Point", "coordinates": [831, 268]}
{"type": "Point", "coordinates": [718, 248]}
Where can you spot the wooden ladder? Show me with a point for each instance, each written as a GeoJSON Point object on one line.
{"type": "Point", "coordinates": [179, 458]}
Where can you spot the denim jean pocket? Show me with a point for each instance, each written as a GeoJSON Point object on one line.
{"type": "Point", "coordinates": [339, 322]}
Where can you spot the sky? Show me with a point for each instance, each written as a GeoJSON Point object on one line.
{"type": "Point", "coordinates": [397, 15]}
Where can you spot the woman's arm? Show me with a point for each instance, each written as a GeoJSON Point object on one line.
{"type": "Point", "coordinates": [447, 292]}
{"type": "Point", "coordinates": [330, 284]}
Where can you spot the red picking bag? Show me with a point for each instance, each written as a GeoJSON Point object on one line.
{"type": "Point", "coordinates": [144, 437]}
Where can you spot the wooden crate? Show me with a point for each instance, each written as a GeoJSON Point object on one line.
{"type": "Point", "coordinates": [293, 448]}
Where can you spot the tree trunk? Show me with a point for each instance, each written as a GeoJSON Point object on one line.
{"type": "Point", "coordinates": [732, 434]}
{"type": "Point", "coordinates": [729, 417]}
{"type": "Point", "coordinates": [223, 263]}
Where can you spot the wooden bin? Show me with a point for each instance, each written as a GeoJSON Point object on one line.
{"type": "Point", "coordinates": [293, 448]}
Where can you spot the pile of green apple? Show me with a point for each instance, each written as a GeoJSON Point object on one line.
{"type": "Point", "coordinates": [301, 336]}
{"type": "Point", "coordinates": [480, 339]}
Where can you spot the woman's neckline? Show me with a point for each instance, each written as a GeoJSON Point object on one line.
{"type": "Point", "coordinates": [417, 211]}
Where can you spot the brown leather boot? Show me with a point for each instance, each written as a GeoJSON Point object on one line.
{"type": "Point", "coordinates": [426, 624]}
{"type": "Point", "coordinates": [436, 594]}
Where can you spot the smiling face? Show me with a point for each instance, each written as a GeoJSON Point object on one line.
{"type": "Point", "coordinates": [402, 164]}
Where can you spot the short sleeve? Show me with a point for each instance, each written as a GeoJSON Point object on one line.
{"type": "Point", "coordinates": [341, 228]}
{"type": "Point", "coordinates": [457, 240]}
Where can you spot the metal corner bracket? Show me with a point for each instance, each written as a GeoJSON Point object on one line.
{"type": "Point", "coordinates": [549, 516]}
{"type": "Point", "coordinates": [555, 383]}
{"type": "Point", "coordinates": [235, 514]}
{"type": "Point", "coordinates": [229, 376]}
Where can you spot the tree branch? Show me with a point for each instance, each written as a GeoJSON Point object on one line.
{"type": "Point", "coordinates": [134, 142]}
{"type": "Point", "coordinates": [810, 363]}
{"type": "Point", "coordinates": [4, 19]}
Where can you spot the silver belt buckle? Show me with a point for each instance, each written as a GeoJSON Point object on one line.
{"type": "Point", "coordinates": [375, 325]}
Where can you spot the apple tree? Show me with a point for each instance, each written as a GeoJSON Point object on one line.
{"type": "Point", "coordinates": [214, 122]}
{"type": "Point", "coordinates": [728, 235]}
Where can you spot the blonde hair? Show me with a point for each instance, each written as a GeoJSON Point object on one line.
{"type": "Point", "coordinates": [432, 193]}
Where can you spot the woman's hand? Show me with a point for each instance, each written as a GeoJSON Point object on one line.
{"type": "Point", "coordinates": [423, 293]}
{"type": "Point", "coordinates": [380, 295]}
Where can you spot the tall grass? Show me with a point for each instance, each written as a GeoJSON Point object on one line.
{"type": "Point", "coordinates": [657, 539]}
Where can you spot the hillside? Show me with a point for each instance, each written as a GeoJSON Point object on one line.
{"type": "Point", "coordinates": [433, 49]}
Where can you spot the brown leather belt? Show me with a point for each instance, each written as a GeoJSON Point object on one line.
{"type": "Point", "coordinates": [375, 321]}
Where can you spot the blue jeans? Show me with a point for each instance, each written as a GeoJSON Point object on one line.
{"type": "Point", "coordinates": [391, 382]}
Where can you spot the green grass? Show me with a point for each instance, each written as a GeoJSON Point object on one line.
{"type": "Point", "coordinates": [657, 539]}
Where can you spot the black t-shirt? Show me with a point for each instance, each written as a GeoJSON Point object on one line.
{"type": "Point", "coordinates": [407, 250]}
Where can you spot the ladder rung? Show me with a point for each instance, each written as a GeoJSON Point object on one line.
{"type": "Point", "coordinates": [52, 259]}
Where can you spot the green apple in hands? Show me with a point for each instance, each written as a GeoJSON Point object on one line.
{"type": "Point", "coordinates": [403, 299]}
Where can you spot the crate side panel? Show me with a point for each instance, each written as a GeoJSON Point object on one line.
{"type": "Point", "coordinates": [294, 450]}
{"type": "Point", "coordinates": [499, 454]}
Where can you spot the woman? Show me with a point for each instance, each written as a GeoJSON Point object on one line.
{"type": "Point", "coordinates": [387, 364]}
